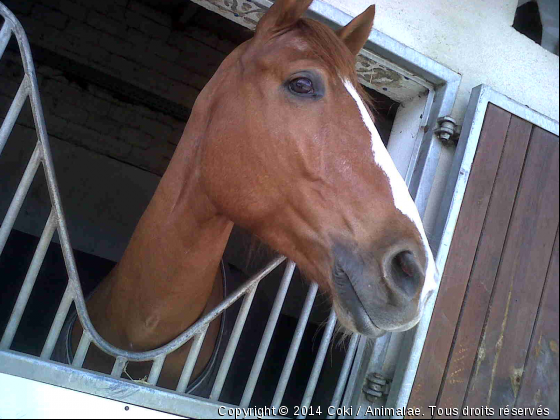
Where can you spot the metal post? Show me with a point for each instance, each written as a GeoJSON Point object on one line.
{"type": "Point", "coordinates": [232, 345]}
{"type": "Point", "coordinates": [346, 402]}
{"type": "Point", "coordinates": [294, 347]}
{"type": "Point", "coordinates": [13, 112]}
{"type": "Point", "coordinates": [82, 350]}
{"type": "Point", "coordinates": [191, 361]}
{"type": "Point", "coordinates": [118, 367]}
{"type": "Point", "coordinates": [19, 196]}
{"type": "Point", "coordinates": [267, 336]}
{"type": "Point", "coordinates": [156, 370]}
{"type": "Point", "coordinates": [57, 324]}
{"type": "Point", "coordinates": [318, 365]}
{"type": "Point", "coordinates": [29, 282]}
{"type": "Point", "coordinates": [5, 35]}
{"type": "Point", "coordinates": [343, 378]}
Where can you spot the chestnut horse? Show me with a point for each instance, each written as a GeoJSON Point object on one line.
{"type": "Point", "coordinates": [280, 142]}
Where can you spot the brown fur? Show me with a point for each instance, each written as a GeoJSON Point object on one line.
{"type": "Point", "coordinates": [299, 174]}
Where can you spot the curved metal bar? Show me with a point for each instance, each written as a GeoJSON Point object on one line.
{"type": "Point", "coordinates": [74, 281]}
{"type": "Point", "coordinates": [74, 293]}
{"type": "Point", "coordinates": [187, 335]}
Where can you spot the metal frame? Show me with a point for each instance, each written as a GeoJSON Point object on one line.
{"type": "Point", "coordinates": [442, 85]}
{"type": "Point", "coordinates": [42, 369]}
{"type": "Point", "coordinates": [481, 96]}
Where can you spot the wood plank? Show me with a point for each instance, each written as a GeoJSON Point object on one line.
{"type": "Point", "coordinates": [487, 262]}
{"type": "Point", "coordinates": [520, 280]}
{"type": "Point", "coordinates": [539, 386]}
{"type": "Point", "coordinates": [461, 255]}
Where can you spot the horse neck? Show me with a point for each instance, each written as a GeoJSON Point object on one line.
{"type": "Point", "coordinates": [166, 276]}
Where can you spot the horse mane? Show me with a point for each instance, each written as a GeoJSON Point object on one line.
{"type": "Point", "coordinates": [332, 51]}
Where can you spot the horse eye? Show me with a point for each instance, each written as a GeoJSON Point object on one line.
{"type": "Point", "coordinates": [302, 86]}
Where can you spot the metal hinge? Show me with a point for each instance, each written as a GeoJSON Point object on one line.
{"type": "Point", "coordinates": [376, 387]}
{"type": "Point", "coordinates": [448, 131]}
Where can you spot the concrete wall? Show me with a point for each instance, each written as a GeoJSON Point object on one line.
{"type": "Point", "coordinates": [128, 42]}
{"type": "Point", "coordinates": [109, 149]}
{"type": "Point", "coordinates": [474, 38]}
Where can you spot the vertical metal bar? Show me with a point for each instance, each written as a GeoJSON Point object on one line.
{"type": "Point", "coordinates": [29, 282]}
{"type": "Point", "coordinates": [267, 336]}
{"type": "Point", "coordinates": [156, 369]}
{"type": "Point", "coordinates": [232, 345]}
{"type": "Point", "coordinates": [118, 367]}
{"type": "Point", "coordinates": [362, 343]}
{"type": "Point", "coordinates": [19, 196]}
{"type": "Point", "coordinates": [294, 347]}
{"type": "Point", "coordinates": [318, 365]}
{"type": "Point", "coordinates": [82, 350]}
{"type": "Point", "coordinates": [191, 361]}
{"type": "Point", "coordinates": [13, 112]}
{"type": "Point", "coordinates": [5, 35]}
{"type": "Point", "coordinates": [344, 373]}
{"type": "Point", "coordinates": [57, 324]}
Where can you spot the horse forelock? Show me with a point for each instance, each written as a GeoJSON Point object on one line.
{"type": "Point", "coordinates": [332, 52]}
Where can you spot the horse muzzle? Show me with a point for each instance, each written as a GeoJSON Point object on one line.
{"type": "Point", "coordinates": [375, 295]}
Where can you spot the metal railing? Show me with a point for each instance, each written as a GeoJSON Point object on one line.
{"type": "Point", "coordinates": [73, 294]}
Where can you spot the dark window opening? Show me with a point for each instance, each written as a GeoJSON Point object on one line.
{"type": "Point", "coordinates": [528, 21]}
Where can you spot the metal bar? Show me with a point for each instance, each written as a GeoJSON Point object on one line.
{"type": "Point", "coordinates": [354, 374]}
{"type": "Point", "coordinates": [82, 350]}
{"type": "Point", "coordinates": [191, 361]}
{"type": "Point", "coordinates": [267, 336]}
{"type": "Point", "coordinates": [29, 282]}
{"type": "Point", "coordinates": [232, 345]}
{"type": "Point", "coordinates": [183, 338]}
{"type": "Point", "coordinates": [57, 324]}
{"type": "Point", "coordinates": [118, 367]}
{"type": "Point", "coordinates": [13, 112]}
{"type": "Point", "coordinates": [21, 365]}
{"type": "Point", "coordinates": [156, 370]}
{"type": "Point", "coordinates": [5, 35]}
{"type": "Point", "coordinates": [19, 196]}
{"type": "Point", "coordinates": [344, 373]}
{"type": "Point", "coordinates": [318, 365]}
{"type": "Point", "coordinates": [294, 347]}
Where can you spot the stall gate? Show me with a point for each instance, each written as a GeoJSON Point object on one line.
{"type": "Point", "coordinates": [498, 350]}
{"type": "Point", "coordinates": [43, 370]}
{"type": "Point", "coordinates": [348, 390]}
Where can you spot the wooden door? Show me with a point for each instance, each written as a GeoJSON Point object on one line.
{"type": "Point", "coordinates": [493, 338]}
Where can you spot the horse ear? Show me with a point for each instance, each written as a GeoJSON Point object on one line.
{"type": "Point", "coordinates": [356, 33]}
{"type": "Point", "coordinates": [282, 14]}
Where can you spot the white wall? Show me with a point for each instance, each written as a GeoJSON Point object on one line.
{"type": "Point", "coordinates": [474, 38]}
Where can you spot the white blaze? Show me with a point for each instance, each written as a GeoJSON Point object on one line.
{"type": "Point", "coordinates": [401, 196]}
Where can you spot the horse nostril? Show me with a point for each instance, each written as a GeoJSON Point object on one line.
{"type": "Point", "coordinates": [406, 274]}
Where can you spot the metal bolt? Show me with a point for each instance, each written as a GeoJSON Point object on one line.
{"type": "Point", "coordinates": [375, 387]}
{"type": "Point", "coordinates": [446, 131]}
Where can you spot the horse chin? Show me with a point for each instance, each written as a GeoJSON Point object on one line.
{"type": "Point", "coordinates": [357, 321]}
{"type": "Point", "coordinates": [353, 316]}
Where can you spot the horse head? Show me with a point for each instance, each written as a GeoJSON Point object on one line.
{"type": "Point", "coordinates": [288, 150]}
